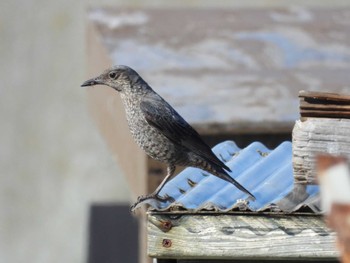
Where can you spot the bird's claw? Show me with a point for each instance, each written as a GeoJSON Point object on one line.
{"type": "Point", "coordinates": [146, 199]}
{"type": "Point", "coordinates": [162, 199]}
{"type": "Point", "coordinates": [165, 198]}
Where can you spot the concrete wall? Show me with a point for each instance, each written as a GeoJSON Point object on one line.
{"type": "Point", "coordinates": [54, 163]}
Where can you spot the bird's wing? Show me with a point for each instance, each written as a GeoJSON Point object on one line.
{"type": "Point", "coordinates": [162, 116]}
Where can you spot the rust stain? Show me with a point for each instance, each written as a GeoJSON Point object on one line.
{"type": "Point", "coordinates": [163, 224]}
{"type": "Point", "coordinates": [166, 243]}
{"type": "Point", "coordinates": [166, 225]}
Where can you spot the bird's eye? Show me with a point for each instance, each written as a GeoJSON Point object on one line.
{"type": "Point", "coordinates": [112, 75]}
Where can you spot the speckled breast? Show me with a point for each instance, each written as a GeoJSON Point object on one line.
{"type": "Point", "coordinates": [152, 141]}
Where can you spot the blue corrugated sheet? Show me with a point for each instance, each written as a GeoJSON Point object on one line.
{"type": "Point", "coordinates": [267, 174]}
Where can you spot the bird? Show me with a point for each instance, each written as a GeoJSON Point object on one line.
{"type": "Point", "coordinates": [160, 130]}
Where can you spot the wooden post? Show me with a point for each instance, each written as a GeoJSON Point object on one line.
{"type": "Point", "coordinates": [324, 128]}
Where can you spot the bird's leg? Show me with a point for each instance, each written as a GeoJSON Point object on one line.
{"type": "Point", "coordinates": [155, 194]}
{"type": "Point", "coordinates": [170, 172]}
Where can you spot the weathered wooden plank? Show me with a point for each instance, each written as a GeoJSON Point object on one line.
{"type": "Point", "coordinates": [323, 104]}
{"type": "Point", "coordinates": [316, 106]}
{"type": "Point", "coordinates": [325, 113]}
{"type": "Point", "coordinates": [324, 96]}
{"type": "Point", "coordinates": [230, 236]}
{"type": "Point", "coordinates": [314, 136]}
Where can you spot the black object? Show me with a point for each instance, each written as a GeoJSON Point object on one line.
{"type": "Point", "coordinates": [113, 235]}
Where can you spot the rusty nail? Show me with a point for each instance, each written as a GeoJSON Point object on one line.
{"type": "Point", "coordinates": [166, 225]}
{"type": "Point", "coordinates": [166, 243]}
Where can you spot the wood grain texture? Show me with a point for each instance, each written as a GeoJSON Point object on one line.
{"type": "Point", "coordinates": [331, 106]}
{"type": "Point", "coordinates": [230, 236]}
{"type": "Point", "coordinates": [325, 96]}
{"type": "Point", "coordinates": [314, 136]}
{"type": "Point", "coordinates": [324, 104]}
{"type": "Point", "coordinates": [325, 113]}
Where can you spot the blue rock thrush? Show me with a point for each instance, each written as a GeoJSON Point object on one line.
{"type": "Point", "coordinates": [159, 130]}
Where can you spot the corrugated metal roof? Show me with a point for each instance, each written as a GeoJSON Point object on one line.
{"type": "Point", "coordinates": [266, 173]}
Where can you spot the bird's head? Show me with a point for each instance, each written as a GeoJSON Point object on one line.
{"type": "Point", "coordinates": [120, 78]}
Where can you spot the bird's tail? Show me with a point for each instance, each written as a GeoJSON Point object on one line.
{"type": "Point", "coordinates": [221, 173]}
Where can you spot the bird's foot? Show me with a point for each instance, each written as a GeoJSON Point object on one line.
{"type": "Point", "coordinates": [151, 199]}
{"type": "Point", "coordinates": [162, 199]}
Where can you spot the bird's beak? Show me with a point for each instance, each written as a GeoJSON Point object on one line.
{"type": "Point", "coordinates": [91, 82]}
